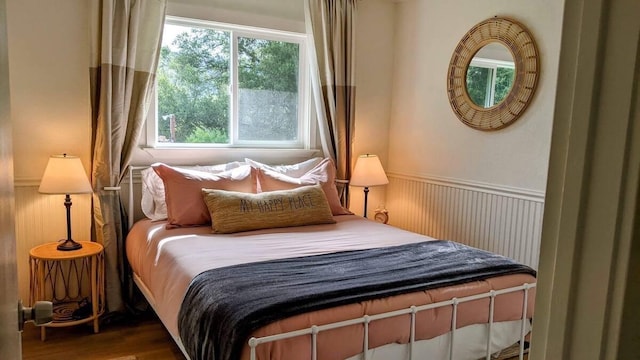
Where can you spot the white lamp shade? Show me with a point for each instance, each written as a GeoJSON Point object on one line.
{"type": "Point", "coordinates": [368, 172]}
{"type": "Point", "coordinates": [64, 175]}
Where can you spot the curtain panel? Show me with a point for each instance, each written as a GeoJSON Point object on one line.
{"type": "Point", "coordinates": [331, 25]}
{"type": "Point", "coordinates": [125, 45]}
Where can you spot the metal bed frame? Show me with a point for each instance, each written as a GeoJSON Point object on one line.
{"type": "Point", "coordinates": [314, 330]}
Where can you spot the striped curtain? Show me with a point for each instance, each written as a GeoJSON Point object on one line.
{"type": "Point", "coordinates": [125, 46]}
{"type": "Point", "coordinates": [331, 25]}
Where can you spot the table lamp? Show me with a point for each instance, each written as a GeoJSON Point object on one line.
{"type": "Point", "coordinates": [65, 175]}
{"type": "Point", "coordinates": [368, 172]}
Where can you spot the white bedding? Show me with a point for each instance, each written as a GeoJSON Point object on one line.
{"type": "Point", "coordinates": [164, 262]}
{"type": "Point", "coordinates": [167, 278]}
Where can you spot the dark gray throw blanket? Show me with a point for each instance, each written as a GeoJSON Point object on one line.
{"type": "Point", "coordinates": [223, 306]}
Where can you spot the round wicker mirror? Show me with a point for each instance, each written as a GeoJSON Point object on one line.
{"type": "Point", "coordinates": [515, 37]}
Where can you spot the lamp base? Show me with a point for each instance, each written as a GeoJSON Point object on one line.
{"type": "Point", "coordinates": [69, 245]}
{"type": "Point", "coordinates": [366, 194]}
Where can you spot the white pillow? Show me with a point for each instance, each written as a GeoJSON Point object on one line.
{"type": "Point", "coordinates": [153, 202]}
{"type": "Point", "coordinates": [293, 170]}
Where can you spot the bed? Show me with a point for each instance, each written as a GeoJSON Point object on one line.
{"type": "Point", "coordinates": [184, 267]}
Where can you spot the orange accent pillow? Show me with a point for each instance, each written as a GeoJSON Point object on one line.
{"type": "Point", "coordinates": [153, 203]}
{"type": "Point", "coordinates": [324, 174]}
{"type": "Point", "coordinates": [183, 191]}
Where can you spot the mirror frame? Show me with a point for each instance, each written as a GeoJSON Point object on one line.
{"type": "Point", "coordinates": [515, 37]}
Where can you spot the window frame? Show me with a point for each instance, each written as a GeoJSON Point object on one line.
{"type": "Point", "coordinates": [306, 137]}
{"type": "Point", "coordinates": [492, 64]}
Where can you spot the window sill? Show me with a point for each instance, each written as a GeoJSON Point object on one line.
{"type": "Point", "coordinates": [207, 156]}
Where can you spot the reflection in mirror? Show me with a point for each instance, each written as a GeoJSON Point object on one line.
{"type": "Point", "coordinates": [490, 75]}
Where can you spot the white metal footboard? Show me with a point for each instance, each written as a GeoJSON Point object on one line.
{"type": "Point", "coordinates": [314, 330]}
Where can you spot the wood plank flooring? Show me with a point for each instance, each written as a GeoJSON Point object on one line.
{"type": "Point", "coordinates": [141, 338]}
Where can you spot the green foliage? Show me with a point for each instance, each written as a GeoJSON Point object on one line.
{"type": "Point", "coordinates": [477, 78]}
{"type": "Point", "coordinates": [267, 65]}
{"type": "Point", "coordinates": [479, 84]}
{"type": "Point", "coordinates": [504, 81]}
{"type": "Point", "coordinates": [193, 84]}
{"type": "Point", "coordinates": [213, 136]}
{"type": "Point", "coordinates": [268, 81]}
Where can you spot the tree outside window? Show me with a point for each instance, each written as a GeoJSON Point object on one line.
{"type": "Point", "coordinates": [489, 82]}
{"type": "Point", "coordinates": [220, 86]}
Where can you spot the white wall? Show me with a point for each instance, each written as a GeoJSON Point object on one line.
{"type": "Point", "coordinates": [426, 138]}
{"type": "Point", "coordinates": [244, 12]}
{"type": "Point", "coordinates": [49, 66]}
{"type": "Point", "coordinates": [50, 111]}
{"type": "Point", "coordinates": [374, 78]}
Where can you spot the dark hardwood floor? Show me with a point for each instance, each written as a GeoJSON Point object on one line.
{"type": "Point", "coordinates": [143, 337]}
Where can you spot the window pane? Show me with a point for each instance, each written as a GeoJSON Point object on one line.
{"type": "Point", "coordinates": [478, 84]}
{"type": "Point", "coordinates": [504, 80]}
{"type": "Point", "coordinates": [193, 83]}
{"type": "Point", "coordinates": [267, 90]}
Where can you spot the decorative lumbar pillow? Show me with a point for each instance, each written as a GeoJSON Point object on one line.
{"type": "Point", "coordinates": [153, 203]}
{"type": "Point", "coordinates": [183, 191]}
{"type": "Point", "coordinates": [324, 173]}
{"type": "Point", "coordinates": [234, 212]}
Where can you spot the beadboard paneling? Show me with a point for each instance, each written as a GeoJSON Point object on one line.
{"type": "Point", "coordinates": [504, 220]}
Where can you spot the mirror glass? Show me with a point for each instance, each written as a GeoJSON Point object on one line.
{"type": "Point", "coordinates": [490, 75]}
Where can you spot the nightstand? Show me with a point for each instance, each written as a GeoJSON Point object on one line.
{"type": "Point", "coordinates": [72, 280]}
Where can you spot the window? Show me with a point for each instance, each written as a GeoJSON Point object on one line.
{"type": "Point", "coordinates": [220, 85]}
{"type": "Point", "coordinates": [489, 81]}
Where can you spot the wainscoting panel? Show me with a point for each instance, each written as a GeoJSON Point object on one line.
{"type": "Point", "coordinates": [42, 218]}
{"type": "Point", "coordinates": [503, 220]}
